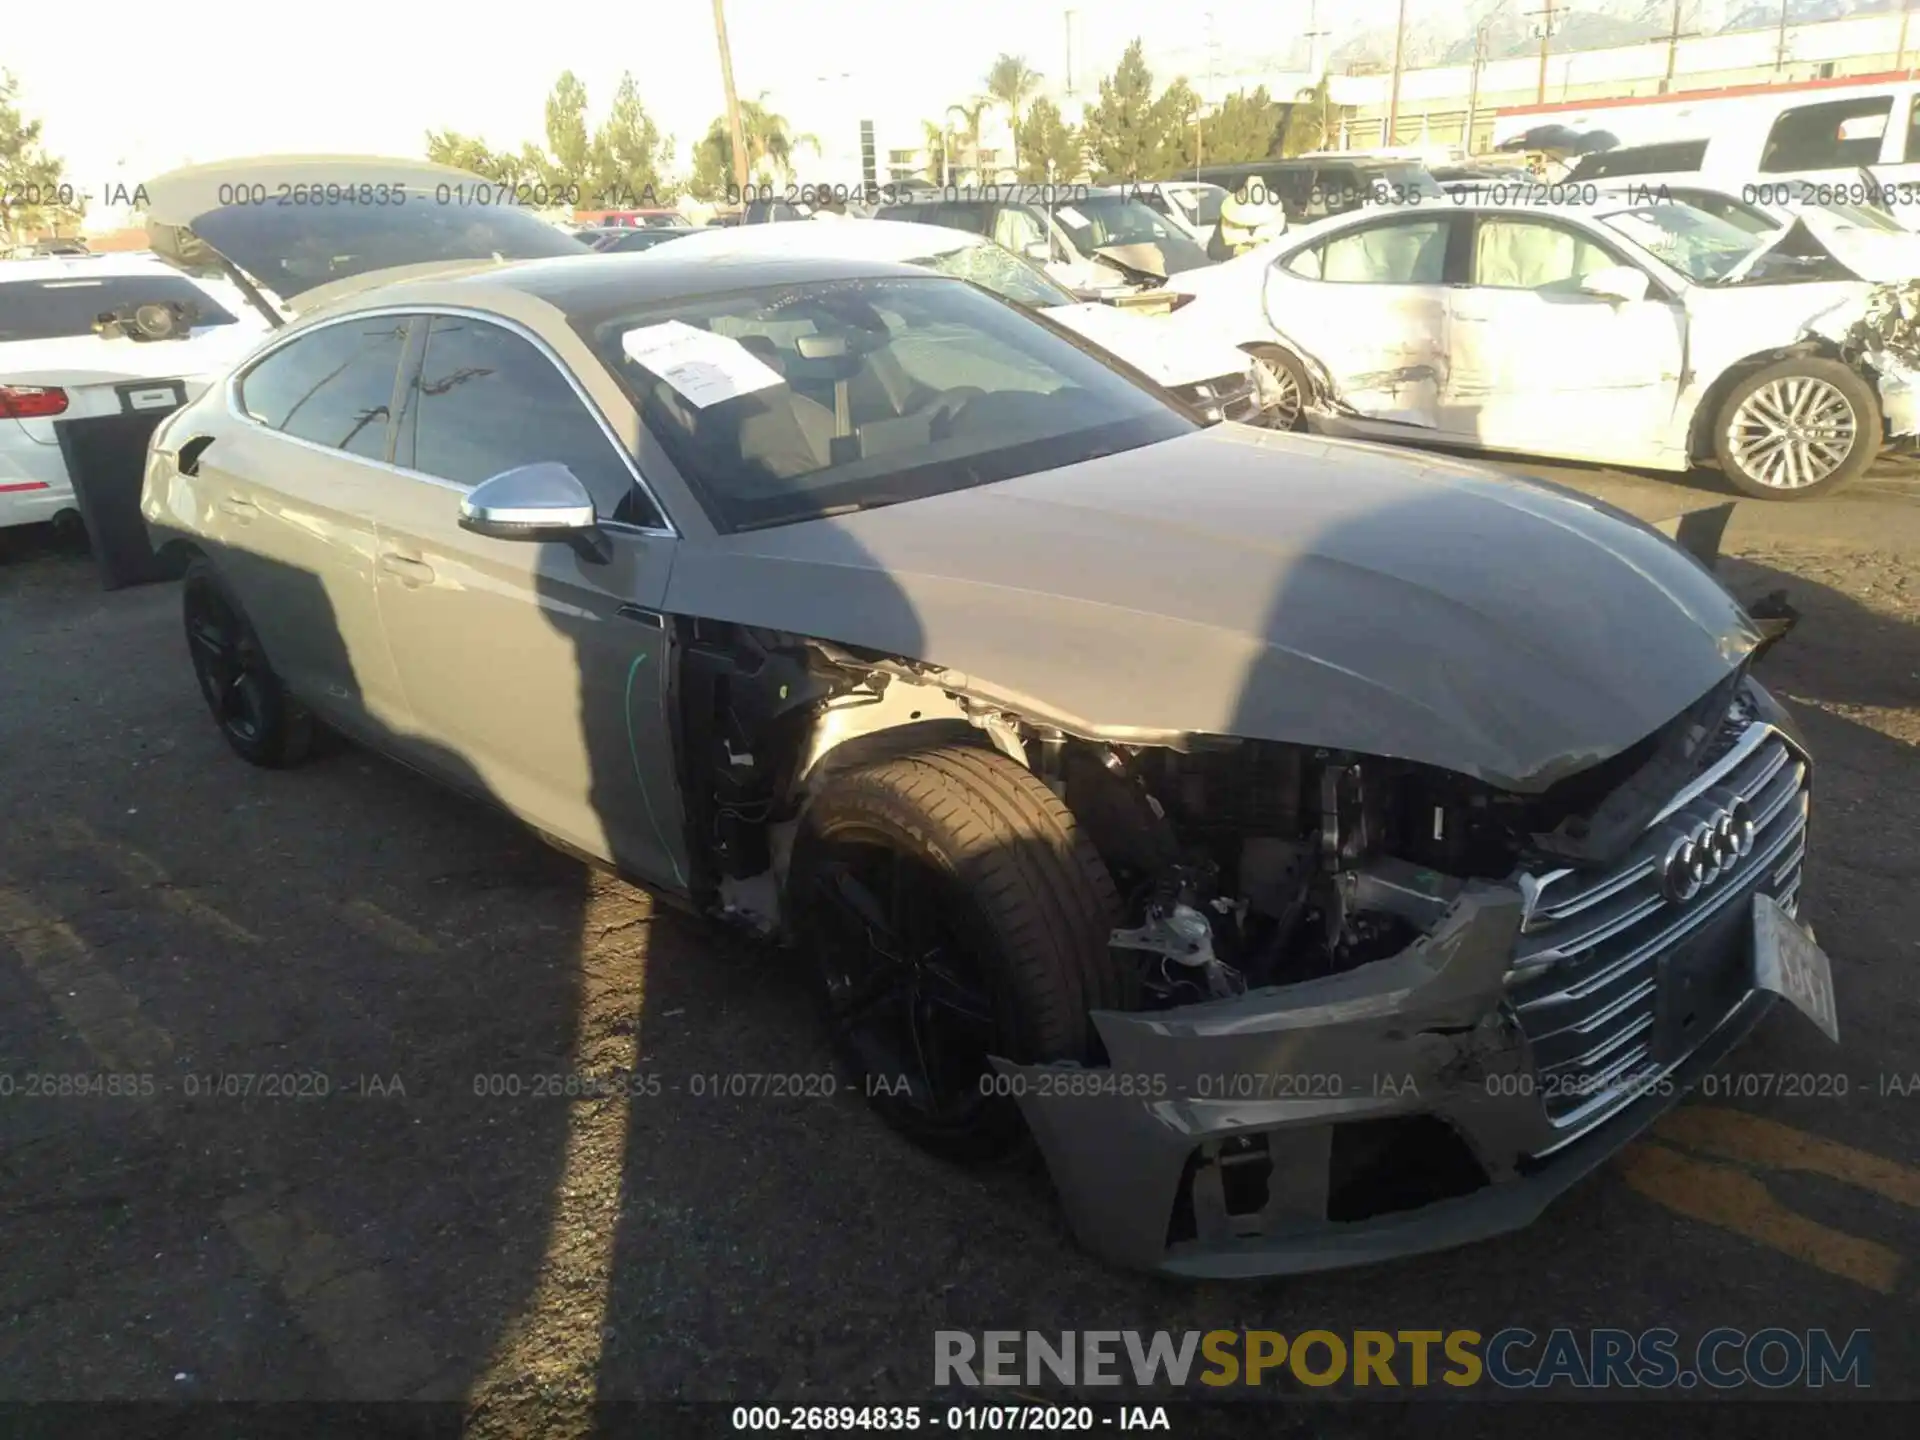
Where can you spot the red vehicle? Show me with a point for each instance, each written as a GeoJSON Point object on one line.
{"type": "Point", "coordinates": [650, 219]}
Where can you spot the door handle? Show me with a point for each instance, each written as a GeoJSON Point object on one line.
{"type": "Point", "coordinates": [406, 571]}
{"type": "Point", "coordinates": [241, 510]}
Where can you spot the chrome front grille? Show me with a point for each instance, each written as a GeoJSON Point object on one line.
{"type": "Point", "coordinates": [1585, 977]}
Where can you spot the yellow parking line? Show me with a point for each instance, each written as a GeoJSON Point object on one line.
{"type": "Point", "coordinates": [1730, 1198]}
{"type": "Point", "coordinates": [343, 1303]}
{"type": "Point", "coordinates": [370, 920]}
{"type": "Point", "coordinates": [1735, 1135]}
{"type": "Point", "coordinates": [74, 834]}
{"type": "Point", "coordinates": [96, 1007]}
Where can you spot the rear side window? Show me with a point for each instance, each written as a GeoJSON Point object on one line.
{"type": "Point", "coordinates": [56, 309]}
{"type": "Point", "coordinates": [1404, 252]}
{"type": "Point", "coordinates": [1830, 136]}
{"type": "Point", "coordinates": [487, 400]}
{"type": "Point", "coordinates": [333, 387]}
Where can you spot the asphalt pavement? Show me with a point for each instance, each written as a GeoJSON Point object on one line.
{"type": "Point", "coordinates": [285, 1107]}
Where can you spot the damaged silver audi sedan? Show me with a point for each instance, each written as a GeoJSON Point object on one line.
{"type": "Point", "coordinates": [1323, 852]}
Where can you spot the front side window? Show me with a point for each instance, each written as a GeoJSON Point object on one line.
{"type": "Point", "coordinates": [333, 386]}
{"type": "Point", "coordinates": [1112, 221]}
{"type": "Point", "coordinates": [1839, 133]}
{"type": "Point", "coordinates": [1534, 255]}
{"type": "Point", "coordinates": [1405, 252]}
{"type": "Point", "coordinates": [793, 402]}
{"type": "Point", "coordinates": [487, 400]}
{"type": "Point", "coordinates": [1018, 229]}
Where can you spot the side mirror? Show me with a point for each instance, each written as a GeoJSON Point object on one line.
{"type": "Point", "coordinates": [545, 501]}
{"type": "Point", "coordinates": [1617, 282]}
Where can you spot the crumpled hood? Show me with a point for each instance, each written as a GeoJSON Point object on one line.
{"type": "Point", "coordinates": [1148, 344]}
{"type": "Point", "coordinates": [1254, 583]}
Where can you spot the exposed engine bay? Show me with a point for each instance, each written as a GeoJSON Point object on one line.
{"type": "Point", "coordinates": [1240, 864]}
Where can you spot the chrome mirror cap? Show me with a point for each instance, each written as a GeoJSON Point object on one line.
{"type": "Point", "coordinates": [543, 501]}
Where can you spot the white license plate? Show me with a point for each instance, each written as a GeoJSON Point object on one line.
{"type": "Point", "coordinates": [1789, 962]}
{"type": "Point", "coordinates": [159, 397]}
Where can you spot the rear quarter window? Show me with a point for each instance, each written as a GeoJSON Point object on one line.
{"type": "Point", "coordinates": [57, 309]}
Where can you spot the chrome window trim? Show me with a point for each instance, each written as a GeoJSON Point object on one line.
{"type": "Point", "coordinates": [237, 409]}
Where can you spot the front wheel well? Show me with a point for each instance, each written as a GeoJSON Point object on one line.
{"type": "Point", "coordinates": [1706, 413]}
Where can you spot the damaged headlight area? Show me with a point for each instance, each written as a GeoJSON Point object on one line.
{"type": "Point", "coordinates": [1383, 1008]}
{"type": "Point", "coordinates": [1886, 341]}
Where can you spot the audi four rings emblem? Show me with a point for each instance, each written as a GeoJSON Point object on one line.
{"type": "Point", "coordinates": [1707, 850]}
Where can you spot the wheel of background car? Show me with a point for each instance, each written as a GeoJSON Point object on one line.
{"type": "Point", "coordinates": [264, 725]}
{"type": "Point", "coordinates": [1797, 429]}
{"type": "Point", "coordinates": [951, 909]}
{"type": "Point", "coordinates": [1288, 379]}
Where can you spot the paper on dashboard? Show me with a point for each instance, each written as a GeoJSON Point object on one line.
{"type": "Point", "coordinates": [704, 367]}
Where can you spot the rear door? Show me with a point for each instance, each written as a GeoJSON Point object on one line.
{"type": "Point", "coordinates": [1370, 303]}
{"type": "Point", "coordinates": [536, 672]}
{"type": "Point", "coordinates": [296, 483]}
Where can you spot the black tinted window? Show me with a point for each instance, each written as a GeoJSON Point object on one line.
{"type": "Point", "coordinates": [333, 387]}
{"type": "Point", "coordinates": [1671, 158]}
{"type": "Point", "coordinates": [58, 308]}
{"type": "Point", "coordinates": [1831, 136]}
{"type": "Point", "coordinates": [486, 400]}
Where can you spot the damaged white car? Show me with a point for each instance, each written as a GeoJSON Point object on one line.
{"type": "Point", "coordinates": [1633, 331]}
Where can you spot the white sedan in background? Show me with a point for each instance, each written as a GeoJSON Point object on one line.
{"type": "Point", "coordinates": [56, 365]}
{"type": "Point", "coordinates": [1218, 379]}
{"type": "Point", "coordinates": [1629, 332]}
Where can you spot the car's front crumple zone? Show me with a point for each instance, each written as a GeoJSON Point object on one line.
{"type": "Point", "coordinates": [1446, 1091]}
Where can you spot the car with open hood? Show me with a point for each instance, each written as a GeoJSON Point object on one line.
{"type": "Point", "coordinates": [1615, 325]}
{"type": "Point", "coordinates": [1281, 832]}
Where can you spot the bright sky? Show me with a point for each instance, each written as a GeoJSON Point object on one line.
{"type": "Point", "coordinates": [128, 90]}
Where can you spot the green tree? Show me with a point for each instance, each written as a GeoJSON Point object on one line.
{"type": "Point", "coordinates": [1312, 121]}
{"type": "Point", "coordinates": [630, 156]}
{"type": "Point", "coordinates": [1134, 136]}
{"type": "Point", "coordinates": [468, 152]}
{"type": "Point", "coordinates": [967, 138]}
{"type": "Point", "coordinates": [934, 136]}
{"type": "Point", "coordinates": [34, 195]}
{"type": "Point", "coordinates": [1013, 82]}
{"type": "Point", "coordinates": [1046, 139]}
{"type": "Point", "coordinates": [569, 158]}
{"type": "Point", "coordinates": [771, 148]}
{"type": "Point", "coordinates": [1245, 127]}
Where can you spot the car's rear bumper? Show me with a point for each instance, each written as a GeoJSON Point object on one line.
{"type": "Point", "coordinates": [33, 479]}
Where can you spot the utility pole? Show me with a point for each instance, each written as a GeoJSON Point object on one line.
{"type": "Point", "coordinates": [1069, 52]}
{"type": "Point", "coordinates": [1393, 95]}
{"type": "Point", "coordinates": [1906, 14]}
{"type": "Point", "coordinates": [733, 100]}
{"type": "Point", "coordinates": [1546, 39]}
{"type": "Point", "coordinates": [1482, 35]}
{"type": "Point", "coordinates": [1674, 37]}
{"type": "Point", "coordinates": [1314, 36]}
{"type": "Point", "coordinates": [1780, 44]}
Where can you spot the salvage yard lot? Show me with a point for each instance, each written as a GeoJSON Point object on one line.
{"type": "Point", "coordinates": [170, 914]}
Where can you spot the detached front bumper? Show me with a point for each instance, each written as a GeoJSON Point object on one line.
{"type": "Point", "coordinates": [1900, 403]}
{"type": "Point", "coordinates": [1443, 1095]}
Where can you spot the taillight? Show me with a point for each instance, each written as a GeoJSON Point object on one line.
{"type": "Point", "coordinates": [32, 402]}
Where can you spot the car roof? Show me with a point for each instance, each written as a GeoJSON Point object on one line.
{"type": "Point", "coordinates": [888, 241]}
{"type": "Point", "coordinates": [84, 267]}
{"type": "Point", "coordinates": [598, 282]}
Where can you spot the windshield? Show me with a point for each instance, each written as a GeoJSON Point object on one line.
{"type": "Point", "coordinates": [1864, 216]}
{"type": "Point", "coordinates": [1108, 220]}
{"type": "Point", "coordinates": [998, 269]}
{"type": "Point", "coordinates": [1700, 246]}
{"type": "Point", "coordinates": [1199, 203]}
{"type": "Point", "coordinates": [56, 309]}
{"type": "Point", "coordinates": [799, 401]}
{"type": "Point", "coordinates": [292, 249]}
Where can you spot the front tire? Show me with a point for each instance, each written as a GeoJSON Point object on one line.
{"type": "Point", "coordinates": [1797, 429]}
{"type": "Point", "coordinates": [952, 910]}
{"type": "Point", "coordinates": [1287, 378]}
{"type": "Point", "coordinates": [263, 723]}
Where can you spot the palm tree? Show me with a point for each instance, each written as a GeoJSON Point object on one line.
{"type": "Point", "coordinates": [971, 134]}
{"type": "Point", "coordinates": [1013, 83]}
{"type": "Point", "coordinates": [936, 138]}
{"type": "Point", "coordinates": [768, 137]}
